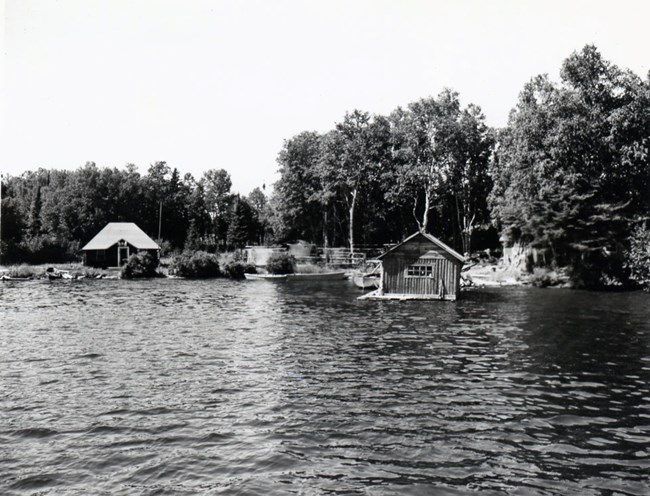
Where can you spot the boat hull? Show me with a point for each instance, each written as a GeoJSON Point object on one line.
{"type": "Point", "coordinates": [364, 281]}
{"type": "Point", "coordinates": [323, 276]}
{"type": "Point", "coordinates": [266, 277]}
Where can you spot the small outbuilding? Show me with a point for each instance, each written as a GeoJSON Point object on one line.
{"type": "Point", "coordinates": [113, 245]}
{"type": "Point", "coordinates": [420, 267]}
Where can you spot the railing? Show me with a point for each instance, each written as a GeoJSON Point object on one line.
{"type": "Point", "coordinates": [340, 257]}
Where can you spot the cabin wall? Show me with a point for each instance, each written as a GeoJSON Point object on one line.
{"type": "Point", "coordinates": [445, 270]}
{"type": "Point", "coordinates": [108, 257]}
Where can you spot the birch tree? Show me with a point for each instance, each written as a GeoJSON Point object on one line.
{"type": "Point", "coordinates": [353, 155]}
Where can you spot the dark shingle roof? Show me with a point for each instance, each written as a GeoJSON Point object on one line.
{"type": "Point", "coordinates": [431, 238]}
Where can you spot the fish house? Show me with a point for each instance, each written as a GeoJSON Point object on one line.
{"type": "Point", "coordinates": [421, 267]}
{"type": "Point", "coordinates": [113, 245]}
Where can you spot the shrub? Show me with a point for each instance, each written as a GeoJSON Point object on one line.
{"type": "Point", "coordinates": [196, 265]}
{"type": "Point", "coordinates": [637, 257]}
{"type": "Point", "coordinates": [236, 269]}
{"type": "Point", "coordinates": [543, 277]}
{"type": "Point", "coordinates": [23, 271]}
{"type": "Point", "coordinates": [281, 263]}
{"type": "Point", "coordinates": [140, 265]}
{"type": "Point", "coordinates": [45, 249]}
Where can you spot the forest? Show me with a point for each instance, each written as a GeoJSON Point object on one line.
{"type": "Point", "coordinates": [569, 176]}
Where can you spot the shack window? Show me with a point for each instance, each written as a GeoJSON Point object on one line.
{"type": "Point", "coordinates": [419, 271]}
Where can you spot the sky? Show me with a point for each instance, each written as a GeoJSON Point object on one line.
{"type": "Point", "coordinates": [221, 84]}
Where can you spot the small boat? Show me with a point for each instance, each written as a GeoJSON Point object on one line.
{"type": "Point", "coordinates": [4, 278]}
{"type": "Point", "coordinates": [318, 276]}
{"type": "Point", "coordinates": [366, 281]}
{"type": "Point", "coordinates": [370, 278]}
{"type": "Point", "coordinates": [269, 277]}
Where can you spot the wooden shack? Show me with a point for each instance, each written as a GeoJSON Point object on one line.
{"type": "Point", "coordinates": [420, 267]}
{"type": "Point", "coordinates": [113, 245]}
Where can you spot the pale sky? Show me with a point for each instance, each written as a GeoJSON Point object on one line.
{"type": "Point", "coordinates": [221, 84]}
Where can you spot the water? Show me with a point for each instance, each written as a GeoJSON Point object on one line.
{"type": "Point", "coordinates": [218, 387]}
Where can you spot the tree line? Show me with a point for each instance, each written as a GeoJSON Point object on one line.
{"type": "Point", "coordinates": [48, 215]}
{"type": "Point", "coordinates": [568, 176]}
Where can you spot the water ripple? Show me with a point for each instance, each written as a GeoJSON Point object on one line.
{"type": "Point", "coordinates": [219, 387]}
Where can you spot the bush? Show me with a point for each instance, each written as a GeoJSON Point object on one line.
{"type": "Point", "coordinates": [236, 269]}
{"type": "Point", "coordinates": [196, 265]}
{"type": "Point", "coordinates": [637, 257]}
{"type": "Point", "coordinates": [140, 265]}
{"type": "Point", "coordinates": [543, 278]}
{"type": "Point", "coordinates": [281, 263]}
{"type": "Point", "coordinates": [23, 271]}
{"type": "Point", "coordinates": [44, 249]}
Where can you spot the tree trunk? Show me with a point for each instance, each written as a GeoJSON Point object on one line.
{"type": "Point", "coordinates": [465, 225]}
{"type": "Point", "coordinates": [326, 241]}
{"type": "Point", "coordinates": [352, 204]}
{"type": "Point", "coordinates": [425, 215]}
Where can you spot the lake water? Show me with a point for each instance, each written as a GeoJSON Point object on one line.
{"type": "Point", "coordinates": [220, 387]}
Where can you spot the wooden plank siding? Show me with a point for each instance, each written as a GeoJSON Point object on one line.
{"type": "Point", "coordinates": [443, 281]}
{"type": "Point", "coordinates": [108, 258]}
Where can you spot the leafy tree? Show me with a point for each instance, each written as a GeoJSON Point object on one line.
{"type": "Point", "coordinates": [298, 193]}
{"type": "Point", "coordinates": [427, 133]}
{"type": "Point", "coordinates": [35, 213]}
{"type": "Point", "coordinates": [216, 184]}
{"type": "Point", "coordinates": [352, 158]}
{"type": "Point", "coordinates": [262, 216]}
{"type": "Point", "coordinates": [469, 181]}
{"type": "Point", "coordinates": [572, 166]}
{"type": "Point", "coordinates": [241, 226]}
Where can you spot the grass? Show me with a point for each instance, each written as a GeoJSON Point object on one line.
{"type": "Point", "coordinates": [23, 271]}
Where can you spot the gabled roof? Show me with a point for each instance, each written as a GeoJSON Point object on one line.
{"type": "Point", "coordinates": [117, 231]}
{"type": "Point", "coordinates": [431, 238]}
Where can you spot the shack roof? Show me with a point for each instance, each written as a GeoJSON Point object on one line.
{"type": "Point", "coordinates": [114, 232]}
{"type": "Point", "coordinates": [431, 238]}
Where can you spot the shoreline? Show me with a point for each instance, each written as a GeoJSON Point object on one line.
{"type": "Point", "coordinates": [483, 275]}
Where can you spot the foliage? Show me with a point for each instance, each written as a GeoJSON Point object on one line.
{"type": "Point", "coordinates": [236, 269]}
{"type": "Point", "coordinates": [637, 257]}
{"type": "Point", "coordinates": [140, 265]}
{"type": "Point", "coordinates": [281, 263]}
{"type": "Point", "coordinates": [352, 156]}
{"type": "Point", "coordinates": [23, 271]}
{"type": "Point", "coordinates": [48, 214]}
{"type": "Point", "coordinates": [196, 265]}
{"type": "Point", "coordinates": [376, 179]}
{"type": "Point", "coordinates": [570, 175]}
{"type": "Point", "coordinates": [543, 277]}
{"type": "Point", "coordinates": [45, 248]}
{"type": "Point", "coordinates": [573, 166]}
{"type": "Point", "coordinates": [242, 224]}
{"type": "Point", "coordinates": [299, 194]}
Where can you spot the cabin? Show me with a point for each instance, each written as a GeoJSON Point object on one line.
{"type": "Point", "coordinates": [113, 245]}
{"type": "Point", "coordinates": [420, 267]}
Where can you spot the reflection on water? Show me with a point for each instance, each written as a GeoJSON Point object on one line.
{"type": "Point", "coordinates": [218, 387]}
